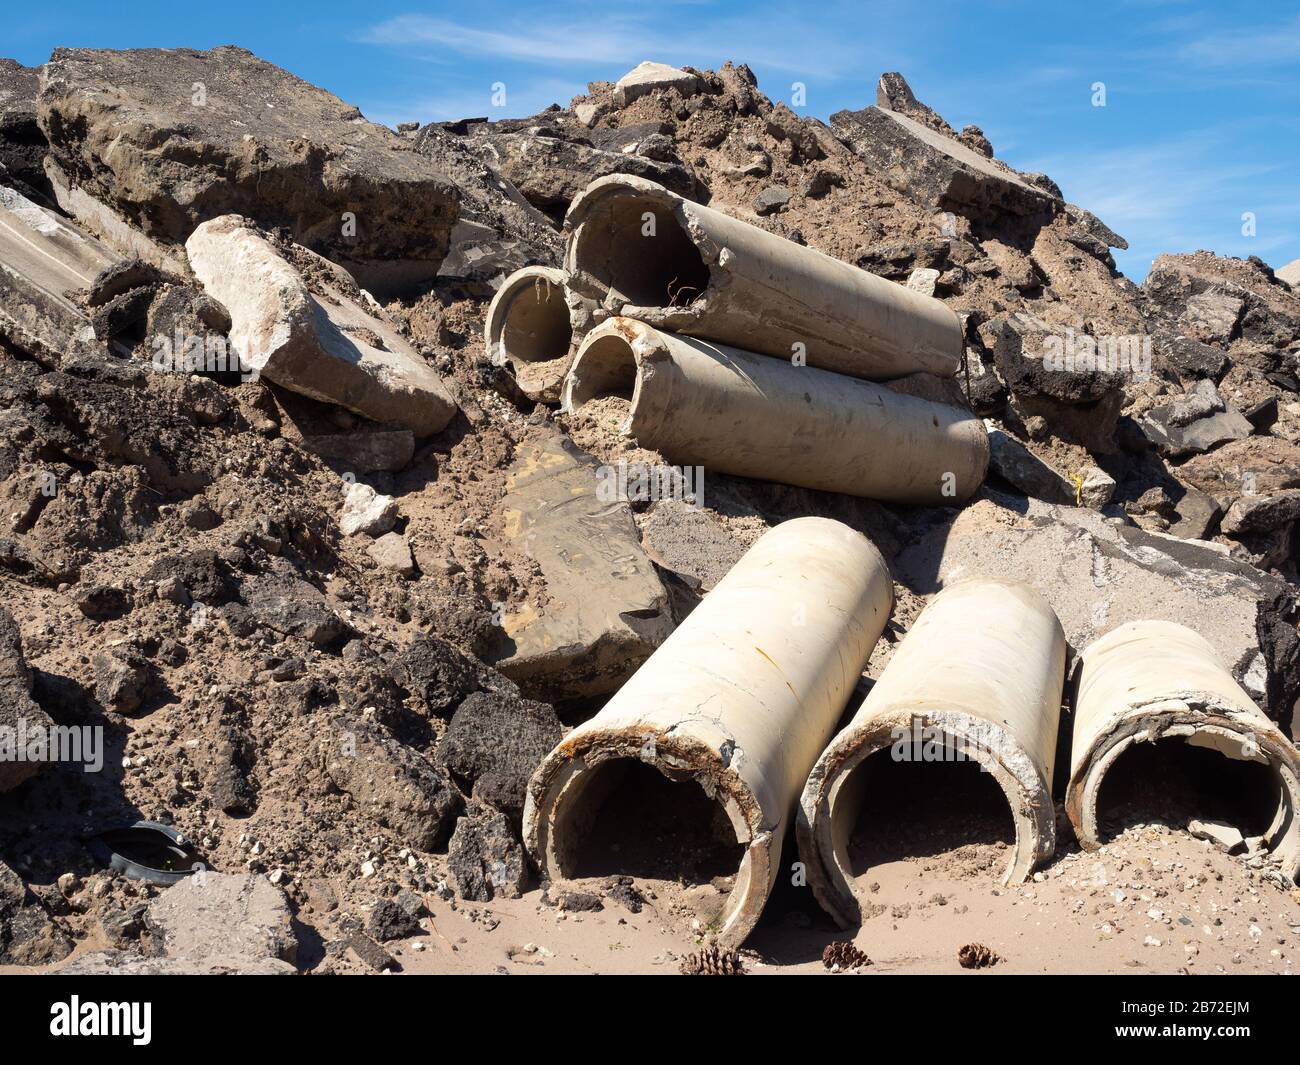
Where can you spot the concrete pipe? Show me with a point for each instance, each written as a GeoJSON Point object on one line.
{"type": "Point", "coordinates": [1158, 683]}
{"type": "Point", "coordinates": [647, 253]}
{"type": "Point", "coordinates": [978, 678]}
{"type": "Point", "coordinates": [738, 701]}
{"type": "Point", "coordinates": [533, 324]}
{"type": "Point", "coordinates": [732, 411]}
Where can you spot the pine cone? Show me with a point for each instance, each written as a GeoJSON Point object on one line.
{"type": "Point", "coordinates": [845, 955]}
{"type": "Point", "coordinates": [713, 962]}
{"type": "Point", "coordinates": [977, 956]}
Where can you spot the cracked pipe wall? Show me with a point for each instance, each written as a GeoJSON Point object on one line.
{"type": "Point", "coordinates": [985, 664]}
{"type": "Point", "coordinates": [741, 698]}
{"type": "Point", "coordinates": [732, 411]}
{"type": "Point", "coordinates": [1151, 680]}
{"type": "Point", "coordinates": [737, 284]}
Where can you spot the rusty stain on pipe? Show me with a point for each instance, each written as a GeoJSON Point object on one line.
{"type": "Point", "coordinates": [1154, 680]}
{"type": "Point", "coordinates": [739, 700]}
{"type": "Point", "coordinates": [733, 411]}
{"type": "Point", "coordinates": [644, 252]}
{"type": "Point", "coordinates": [984, 667]}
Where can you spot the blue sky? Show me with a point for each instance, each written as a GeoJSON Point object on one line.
{"type": "Point", "coordinates": [1201, 123]}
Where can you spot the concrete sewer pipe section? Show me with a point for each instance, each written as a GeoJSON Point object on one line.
{"type": "Point", "coordinates": [699, 403]}
{"type": "Point", "coordinates": [978, 678]}
{"type": "Point", "coordinates": [643, 252]}
{"type": "Point", "coordinates": [732, 709]}
{"type": "Point", "coordinates": [1156, 708]}
{"type": "Point", "coordinates": [533, 326]}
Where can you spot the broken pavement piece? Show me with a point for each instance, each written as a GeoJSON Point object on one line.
{"type": "Point", "coordinates": [129, 137]}
{"type": "Point", "coordinates": [306, 326]}
{"type": "Point", "coordinates": [230, 917]}
{"type": "Point", "coordinates": [935, 170]}
{"type": "Point", "coordinates": [1194, 423]}
{"type": "Point", "coordinates": [1017, 465]}
{"type": "Point", "coordinates": [606, 609]}
{"type": "Point", "coordinates": [44, 258]}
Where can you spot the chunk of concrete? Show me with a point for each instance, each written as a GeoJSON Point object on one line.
{"type": "Point", "coordinates": [44, 262]}
{"type": "Point", "coordinates": [1194, 423]}
{"type": "Point", "coordinates": [306, 325]}
{"type": "Point", "coordinates": [1019, 466]}
{"type": "Point", "coordinates": [164, 139]}
{"type": "Point", "coordinates": [22, 721]}
{"type": "Point", "coordinates": [1290, 273]}
{"type": "Point", "coordinates": [1225, 837]}
{"type": "Point", "coordinates": [935, 170]}
{"type": "Point", "coordinates": [650, 77]}
{"type": "Point", "coordinates": [485, 857]}
{"type": "Point", "coordinates": [1098, 574]}
{"type": "Point", "coordinates": [366, 511]}
{"type": "Point", "coordinates": [231, 916]}
{"type": "Point", "coordinates": [606, 609]}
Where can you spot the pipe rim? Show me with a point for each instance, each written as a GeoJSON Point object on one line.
{"type": "Point", "coordinates": [498, 313]}
{"type": "Point", "coordinates": [615, 186]}
{"type": "Point", "coordinates": [1191, 714]}
{"type": "Point", "coordinates": [1027, 793]}
{"type": "Point", "coordinates": [637, 341]}
{"type": "Point", "coordinates": [682, 759]}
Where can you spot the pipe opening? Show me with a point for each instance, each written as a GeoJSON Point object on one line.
{"type": "Point", "coordinates": [891, 813]}
{"type": "Point", "coordinates": [603, 383]}
{"type": "Point", "coordinates": [535, 327]}
{"type": "Point", "coordinates": [635, 247]}
{"type": "Point", "coordinates": [1172, 781]}
{"type": "Point", "coordinates": [631, 820]}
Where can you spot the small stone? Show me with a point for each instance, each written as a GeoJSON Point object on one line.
{"type": "Point", "coordinates": [771, 200]}
{"type": "Point", "coordinates": [391, 552]}
{"type": "Point", "coordinates": [923, 280]}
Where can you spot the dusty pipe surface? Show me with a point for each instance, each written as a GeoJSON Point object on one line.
{"type": "Point", "coordinates": [740, 699]}
{"type": "Point", "coordinates": [533, 326]}
{"type": "Point", "coordinates": [1156, 680]}
{"type": "Point", "coordinates": [647, 253]}
{"type": "Point", "coordinates": [980, 673]}
{"type": "Point", "coordinates": [732, 411]}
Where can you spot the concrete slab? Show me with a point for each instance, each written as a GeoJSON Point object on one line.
{"type": "Point", "coordinates": [606, 609]}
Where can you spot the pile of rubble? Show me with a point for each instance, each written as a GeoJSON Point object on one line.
{"type": "Point", "coordinates": [346, 470]}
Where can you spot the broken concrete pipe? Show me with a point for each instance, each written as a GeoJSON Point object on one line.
{"type": "Point", "coordinates": [978, 678]}
{"type": "Point", "coordinates": [647, 253]}
{"type": "Point", "coordinates": [738, 701]}
{"type": "Point", "coordinates": [532, 324]}
{"type": "Point", "coordinates": [1156, 688]}
{"type": "Point", "coordinates": [736, 412]}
